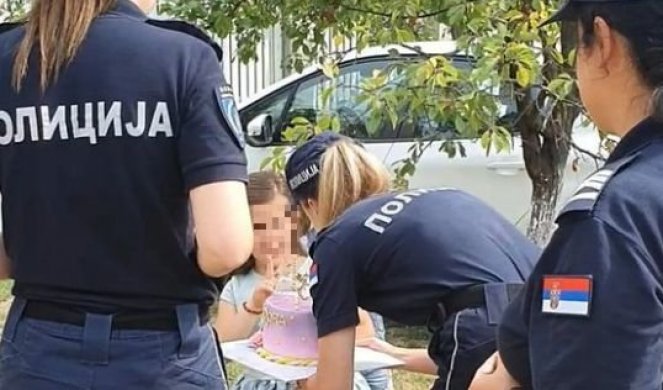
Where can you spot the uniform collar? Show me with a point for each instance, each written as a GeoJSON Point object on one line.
{"type": "Point", "coordinates": [642, 134]}
{"type": "Point", "coordinates": [128, 8]}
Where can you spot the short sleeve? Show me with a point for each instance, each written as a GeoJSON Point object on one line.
{"type": "Point", "coordinates": [619, 344]}
{"type": "Point", "coordinates": [211, 144]}
{"type": "Point", "coordinates": [333, 287]}
{"type": "Point", "coordinates": [228, 293]}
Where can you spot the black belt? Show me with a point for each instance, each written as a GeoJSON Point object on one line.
{"type": "Point", "coordinates": [467, 298]}
{"type": "Point", "coordinates": [163, 320]}
{"type": "Point", "coordinates": [473, 297]}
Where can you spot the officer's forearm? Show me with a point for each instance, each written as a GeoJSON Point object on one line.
{"type": "Point", "coordinates": [4, 260]}
{"type": "Point", "coordinates": [416, 360]}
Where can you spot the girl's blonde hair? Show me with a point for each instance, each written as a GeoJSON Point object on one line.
{"type": "Point", "coordinates": [348, 174]}
{"type": "Point", "coordinates": [56, 29]}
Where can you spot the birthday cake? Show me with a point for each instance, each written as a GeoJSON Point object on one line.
{"type": "Point", "coordinates": [289, 332]}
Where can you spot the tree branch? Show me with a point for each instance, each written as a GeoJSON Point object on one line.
{"type": "Point", "coordinates": [595, 156]}
{"type": "Point", "coordinates": [388, 15]}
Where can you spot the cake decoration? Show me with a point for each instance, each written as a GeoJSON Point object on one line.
{"type": "Point", "coordinates": [289, 331]}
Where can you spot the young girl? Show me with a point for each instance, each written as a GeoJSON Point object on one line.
{"type": "Point", "coordinates": [436, 257]}
{"type": "Point", "coordinates": [277, 252]}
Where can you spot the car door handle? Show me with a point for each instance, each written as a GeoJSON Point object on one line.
{"type": "Point", "coordinates": [506, 168]}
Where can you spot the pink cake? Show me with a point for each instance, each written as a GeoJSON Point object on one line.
{"type": "Point", "coordinates": [289, 333]}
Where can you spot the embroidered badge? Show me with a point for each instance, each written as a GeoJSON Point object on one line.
{"type": "Point", "coordinates": [567, 295]}
{"type": "Point", "coordinates": [313, 275]}
{"type": "Point", "coordinates": [230, 113]}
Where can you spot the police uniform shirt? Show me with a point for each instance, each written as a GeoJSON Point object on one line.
{"type": "Point", "coordinates": [95, 173]}
{"type": "Point", "coordinates": [398, 254]}
{"type": "Point", "coordinates": [592, 314]}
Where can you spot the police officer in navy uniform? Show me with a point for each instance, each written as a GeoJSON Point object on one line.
{"type": "Point", "coordinates": [122, 174]}
{"type": "Point", "coordinates": [606, 258]}
{"type": "Point", "coordinates": [423, 257]}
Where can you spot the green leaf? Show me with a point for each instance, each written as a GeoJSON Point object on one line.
{"type": "Point", "coordinates": [500, 140]}
{"type": "Point", "coordinates": [373, 123]}
{"type": "Point", "coordinates": [461, 148]}
{"type": "Point", "coordinates": [393, 117]}
{"type": "Point", "coordinates": [266, 162]}
{"type": "Point", "coordinates": [324, 122]}
{"type": "Point", "coordinates": [523, 76]}
{"type": "Point", "coordinates": [330, 69]}
{"type": "Point", "coordinates": [484, 141]}
{"type": "Point", "coordinates": [338, 40]}
{"type": "Point", "coordinates": [336, 124]}
{"type": "Point", "coordinates": [325, 95]}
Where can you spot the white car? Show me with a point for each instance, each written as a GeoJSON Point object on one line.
{"type": "Point", "coordinates": [499, 179]}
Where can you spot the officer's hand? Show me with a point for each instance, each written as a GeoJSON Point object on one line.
{"type": "Point", "coordinates": [492, 375]}
{"type": "Point", "coordinates": [265, 289]}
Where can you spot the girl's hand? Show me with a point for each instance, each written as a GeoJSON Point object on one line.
{"type": "Point", "coordinates": [265, 289]}
{"type": "Point", "coordinates": [255, 341]}
{"type": "Point", "coordinates": [379, 346]}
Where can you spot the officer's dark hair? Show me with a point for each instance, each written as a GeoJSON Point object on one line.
{"type": "Point", "coordinates": [262, 188]}
{"type": "Point", "coordinates": [640, 23]}
{"type": "Point", "coordinates": [54, 30]}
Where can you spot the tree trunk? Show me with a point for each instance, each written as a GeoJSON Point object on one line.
{"type": "Point", "coordinates": [545, 194]}
{"type": "Point", "coordinates": [546, 151]}
{"type": "Point", "coordinates": [546, 144]}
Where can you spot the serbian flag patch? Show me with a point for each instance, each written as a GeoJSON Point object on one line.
{"type": "Point", "coordinates": [567, 295]}
{"type": "Point", "coordinates": [313, 275]}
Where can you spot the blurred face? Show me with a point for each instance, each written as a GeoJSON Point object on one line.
{"type": "Point", "coordinates": [275, 231]}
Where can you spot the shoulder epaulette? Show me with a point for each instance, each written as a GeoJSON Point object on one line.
{"type": "Point", "coordinates": [587, 194]}
{"type": "Point", "coordinates": [4, 27]}
{"type": "Point", "coordinates": [189, 29]}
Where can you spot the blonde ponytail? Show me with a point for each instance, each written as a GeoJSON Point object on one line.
{"type": "Point", "coordinates": [56, 28]}
{"type": "Point", "coordinates": [348, 174]}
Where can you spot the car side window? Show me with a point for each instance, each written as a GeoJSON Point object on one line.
{"type": "Point", "coordinates": [273, 106]}
{"type": "Point", "coordinates": [304, 100]}
{"type": "Point", "coordinates": [343, 102]}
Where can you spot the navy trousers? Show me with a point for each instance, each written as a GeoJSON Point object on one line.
{"type": "Point", "coordinates": [460, 347]}
{"type": "Point", "coordinates": [44, 355]}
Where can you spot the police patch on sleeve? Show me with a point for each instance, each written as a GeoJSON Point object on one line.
{"type": "Point", "coordinates": [228, 107]}
{"type": "Point", "coordinates": [567, 295]}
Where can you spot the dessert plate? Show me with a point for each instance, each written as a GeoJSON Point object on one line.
{"type": "Point", "coordinates": [244, 354]}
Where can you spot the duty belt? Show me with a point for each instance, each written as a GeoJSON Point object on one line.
{"type": "Point", "coordinates": [163, 319]}
{"type": "Point", "coordinates": [493, 296]}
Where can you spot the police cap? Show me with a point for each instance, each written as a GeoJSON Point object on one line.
{"type": "Point", "coordinates": [568, 11]}
{"type": "Point", "coordinates": [303, 167]}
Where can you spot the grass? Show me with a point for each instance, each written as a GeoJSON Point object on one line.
{"type": "Point", "coordinates": [5, 290]}
{"type": "Point", "coordinates": [409, 338]}
{"type": "Point", "coordinates": [401, 336]}
{"type": "Point", "coordinates": [5, 295]}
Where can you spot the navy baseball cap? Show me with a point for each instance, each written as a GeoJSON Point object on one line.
{"type": "Point", "coordinates": [568, 11]}
{"type": "Point", "coordinates": [303, 167]}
